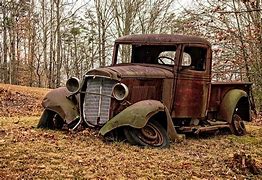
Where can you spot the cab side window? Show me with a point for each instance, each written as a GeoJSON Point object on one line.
{"type": "Point", "coordinates": [194, 58]}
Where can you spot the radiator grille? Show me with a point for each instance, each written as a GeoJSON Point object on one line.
{"type": "Point", "coordinates": [97, 100]}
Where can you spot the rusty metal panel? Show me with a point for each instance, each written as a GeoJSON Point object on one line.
{"type": "Point", "coordinates": [57, 101]}
{"type": "Point", "coordinates": [133, 70]}
{"type": "Point", "coordinates": [219, 89]}
{"type": "Point", "coordinates": [138, 114]}
{"type": "Point", "coordinates": [191, 96]}
{"type": "Point", "coordinates": [135, 115]}
{"type": "Point", "coordinates": [143, 88]}
{"type": "Point", "coordinates": [229, 103]}
{"type": "Point", "coordinates": [160, 39]}
{"type": "Point", "coordinates": [139, 89]}
{"type": "Point", "coordinates": [168, 93]}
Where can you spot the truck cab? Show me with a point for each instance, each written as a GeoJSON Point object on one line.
{"type": "Point", "coordinates": [188, 58]}
{"type": "Point", "coordinates": [156, 86]}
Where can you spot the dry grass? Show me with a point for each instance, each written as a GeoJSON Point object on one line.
{"type": "Point", "coordinates": [29, 91]}
{"type": "Point", "coordinates": [20, 100]}
{"type": "Point", "coordinates": [29, 153]}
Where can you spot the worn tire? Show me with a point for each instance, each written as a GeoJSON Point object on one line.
{"type": "Point", "coordinates": [152, 135]}
{"type": "Point", "coordinates": [237, 125]}
{"type": "Point", "coordinates": [50, 120]}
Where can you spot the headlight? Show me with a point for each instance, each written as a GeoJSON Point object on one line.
{"type": "Point", "coordinates": [120, 91]}
{"type": "Point", "coordinates": [72, 84]}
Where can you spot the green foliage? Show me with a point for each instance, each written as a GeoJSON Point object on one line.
{"type": "Point", "coordinates": [246, 140]}
{"type": "Point", "coordinates": [258, 98]}
{"type": "Point", "coordinates": [75, 31]}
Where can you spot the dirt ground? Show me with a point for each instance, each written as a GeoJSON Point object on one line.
{"type": "Point", "coordinates": [30, 153]}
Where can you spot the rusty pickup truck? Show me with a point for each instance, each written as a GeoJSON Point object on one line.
{"type": "Point", "coordinates": [158, 85]}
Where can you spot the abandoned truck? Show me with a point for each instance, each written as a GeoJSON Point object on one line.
{"type": "Point", "coordinates": [160, 87]}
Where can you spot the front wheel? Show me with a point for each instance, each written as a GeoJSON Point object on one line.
{"type": "Point", "coordinates": [237, 125]}
{"type": "Point", "coordinates": [152, 135]}
{"type": "Point", "coordinates": [50, 120]}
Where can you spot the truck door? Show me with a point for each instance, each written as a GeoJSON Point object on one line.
{"type": "Point", "coordinates": [192, 82]}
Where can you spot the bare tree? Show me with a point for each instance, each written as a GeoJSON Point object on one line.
{"type": "Point", "coordinates": [4, 70]}
{"type": "Point", "coordinates": [234, 28]}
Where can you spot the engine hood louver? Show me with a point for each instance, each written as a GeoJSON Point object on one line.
{"type": "Point", "coordinates": [129, 71]}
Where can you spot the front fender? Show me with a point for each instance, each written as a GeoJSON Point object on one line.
{"type": "Point", "coordinates": [229, 103]}
{"type": "Point", "coordinates": [137, 115]}
{"type": "Point", "coordinates": [57, 101]}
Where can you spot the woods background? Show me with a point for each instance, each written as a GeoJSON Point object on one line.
{"type": "Point", "coordinates": [44, 42]}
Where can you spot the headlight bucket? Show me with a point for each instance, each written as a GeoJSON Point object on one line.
{"type": "Point", "coordinates": [120, 91]}
{"type": "Point", "coordinates": [72, 84]}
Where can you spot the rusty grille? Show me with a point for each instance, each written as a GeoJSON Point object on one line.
{"type": "Point", "coordinates": [97, 100]}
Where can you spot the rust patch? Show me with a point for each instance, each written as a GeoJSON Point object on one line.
{"type": "Point", "coordinates": [133, 71]}
{"type": "Point", "coordinates": [158, 39]}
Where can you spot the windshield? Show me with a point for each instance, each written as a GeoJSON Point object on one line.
{"type": "Point", "coordinates": [150, 54]}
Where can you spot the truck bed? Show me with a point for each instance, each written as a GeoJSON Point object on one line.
{"type": "Point", "coordinates": [219, 89]}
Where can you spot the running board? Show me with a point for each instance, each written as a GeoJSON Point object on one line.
{"type": "Point", "coordinates": [199, 129]}
{"type": "Point", "coordinates": [212, 123]}
{"type": "Point", "coordinates": [210, 128]}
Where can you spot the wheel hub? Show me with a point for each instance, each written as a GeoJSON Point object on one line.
{"type": "Point", "coordinates": [239, 124]}
{"type": "Point", "coordinates": [151, 135]}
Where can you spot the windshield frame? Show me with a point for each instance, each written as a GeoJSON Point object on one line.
{"type": "Point", "coordinates": [166, 47]}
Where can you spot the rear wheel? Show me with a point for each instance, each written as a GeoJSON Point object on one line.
{"type": "Point", "coordinates": [50, 120]}
{"type": "Point", "coordinates": [237, 125]}
{"type": "Point", "coordinates": [153, 135]}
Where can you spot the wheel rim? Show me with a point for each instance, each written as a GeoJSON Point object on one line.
{"type": "Point", "coordinates": [151, 135]}
{"type": "Point", "coordinates": [239, 124]}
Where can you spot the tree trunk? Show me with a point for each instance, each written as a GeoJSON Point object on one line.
{"type": "Point", "coordinates": [58, 47]}
{"type": "Point", "coordinates": [51, 76]}
{"type": "Point", "coordinates": [5, 70]}
{"type": "Point", "coordinates": [44, 31]}
{"type": "Point", "coordinates": [12, 37]}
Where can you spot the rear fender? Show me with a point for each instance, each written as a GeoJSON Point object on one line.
{"type": "Point", "coordinates": [57, 100]}
{"type": "Point", "coordinates": [229, 104]}
{"type": "Point", "coordinates": [137, 115]}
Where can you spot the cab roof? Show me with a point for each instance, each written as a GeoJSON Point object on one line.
{"type": "Point", "coordinates": [161, 39]}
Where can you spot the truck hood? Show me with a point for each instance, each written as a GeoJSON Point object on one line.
{"type": "Point", "coordinates": [134, 71]}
